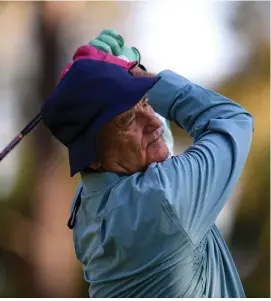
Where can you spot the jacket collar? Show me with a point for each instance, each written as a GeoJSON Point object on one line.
{"type": "Point", "coordinates": [94, 182]}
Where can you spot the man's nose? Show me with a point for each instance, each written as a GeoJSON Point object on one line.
{"type": "Point", "coordinates": [152, 122]}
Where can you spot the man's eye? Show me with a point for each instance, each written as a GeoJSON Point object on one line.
{"type": "Point", "coordinates": [145, 103]}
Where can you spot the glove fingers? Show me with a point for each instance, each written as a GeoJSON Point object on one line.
{"type": "Point", "coordinates": [138, 55]}
{"type": "Point", "coordinates": [111, 42]}
{"type": "Point", "coordinates": [115, 35]}
{"type": "Point", "coordinates": [101, 45]}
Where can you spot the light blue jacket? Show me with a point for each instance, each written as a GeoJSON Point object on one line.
{"type": "Point", "coordinates": [153, 234]}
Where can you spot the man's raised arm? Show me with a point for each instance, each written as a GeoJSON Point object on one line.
{"type": "Point", "coordinates": [198, 182]}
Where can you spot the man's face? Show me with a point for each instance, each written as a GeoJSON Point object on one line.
{"type": "Point", "coordinates": [132, 140]}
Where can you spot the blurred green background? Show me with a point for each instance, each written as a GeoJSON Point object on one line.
{"type": "Point", "coordinates": [224, 46]}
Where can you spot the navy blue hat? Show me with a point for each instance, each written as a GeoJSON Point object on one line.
{"type": "Point", "coordinates": [90, 94]}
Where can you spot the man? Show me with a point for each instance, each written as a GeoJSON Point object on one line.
{"type": "Point", "coordinates": [143, 222]}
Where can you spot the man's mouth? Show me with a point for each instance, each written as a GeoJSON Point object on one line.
{"type": "Point", "coordinates": [158, 136]}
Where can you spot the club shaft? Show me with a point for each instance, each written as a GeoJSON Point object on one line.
{"type": "Point", "coordinates": [20, 136]}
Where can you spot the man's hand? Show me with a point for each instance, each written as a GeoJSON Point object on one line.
{"type": "Point", "coordinates": [90, 52]}
{"type": "Point", "coordinates": [111, 42]}
{"type": "Point", "coordinates": [136, 71]}
{"type": "Point", "coordinates": [108, 47]}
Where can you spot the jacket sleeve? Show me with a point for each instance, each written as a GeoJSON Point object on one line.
{"type": "Point", "coordinates": [197, 183]}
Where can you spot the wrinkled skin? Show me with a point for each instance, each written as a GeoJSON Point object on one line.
{"type": "Point", "coordinates": [131, 141]}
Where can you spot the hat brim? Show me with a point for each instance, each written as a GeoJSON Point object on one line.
{"type": "Point", "coordinates": [83, 150]}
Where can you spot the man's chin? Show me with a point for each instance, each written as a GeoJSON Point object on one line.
{"type": "Point", "coordinates": [164, 155]}
{"type": "Point", "coordinates": [160, 155]}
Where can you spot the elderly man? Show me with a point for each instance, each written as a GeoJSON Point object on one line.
{"type": "Point", "coordinates": [143, 221]}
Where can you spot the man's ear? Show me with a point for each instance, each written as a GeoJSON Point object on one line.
{"type": "Point", "coordinates": [95, 165]}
